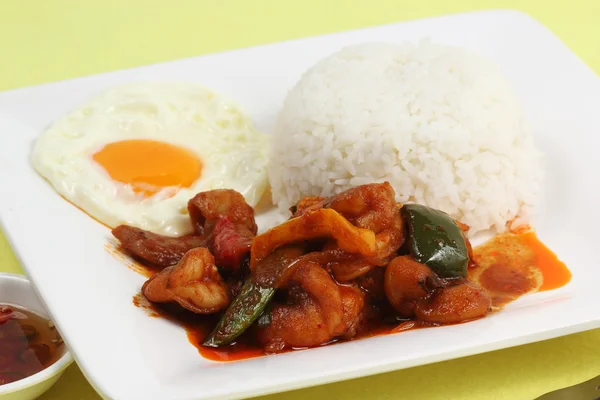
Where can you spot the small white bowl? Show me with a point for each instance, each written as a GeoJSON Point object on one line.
{"type": "Point", "coordinates": [16, 289]}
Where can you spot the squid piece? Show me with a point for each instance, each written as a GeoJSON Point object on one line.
{"type": "Point", "coordinates": [453, 304]}
{"type": "Point", "coordinates": [207, 208]}
{"type": "Point", "coordinates": [158, 250]}
{"type": "Point", "coordinates": [194, 283]}
{"type": "Point", "coordinates": [318, 310]}
{"type": "Point", "coordinates": [390, 240]}
{"type": "Point", "coordinates": [370, 207]}
{"type": "Point", "coordinates": [373, 207]}
{"type": "Point", "coordinates": [321, 223]}
{"type": "Point", "coordinates": [367, 206]}
{"type": "Point", "coordinates": [407, 281]}
{"type": "Point", "coordinates": [155, 288]}
{"type": "Point", "coordinates": [309, 203]}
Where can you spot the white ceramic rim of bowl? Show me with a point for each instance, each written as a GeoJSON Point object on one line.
{"type": "Point", "coordinates": [46, 373]}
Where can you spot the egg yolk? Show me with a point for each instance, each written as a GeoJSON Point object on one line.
{"type": "Point", "coordinates": [149, 165]}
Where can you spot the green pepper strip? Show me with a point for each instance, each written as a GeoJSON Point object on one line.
{"type": "Point", "coordinates": [242, 312]}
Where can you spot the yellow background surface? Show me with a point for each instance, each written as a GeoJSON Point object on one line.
{"type": "Point", "coordinates": [49, 40]}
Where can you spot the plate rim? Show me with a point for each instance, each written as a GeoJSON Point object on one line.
{"type": "Point", "coordinates": [358, 371]}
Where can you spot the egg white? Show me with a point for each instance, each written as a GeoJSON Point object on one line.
{"type": "Point", "coordinates": [232, 152]}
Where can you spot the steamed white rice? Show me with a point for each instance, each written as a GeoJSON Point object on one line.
{"type": "Point", "coordinates": [441, 124]}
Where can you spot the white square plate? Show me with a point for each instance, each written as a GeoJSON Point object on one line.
{"type": "Point", "coordinates": [127, 355]}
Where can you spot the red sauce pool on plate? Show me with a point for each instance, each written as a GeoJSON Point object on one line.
{"type": "Point", "coordinates": [511, 265]}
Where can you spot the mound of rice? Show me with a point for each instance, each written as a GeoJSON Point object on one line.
{"type": "Point", "coordinates": [441, 124]}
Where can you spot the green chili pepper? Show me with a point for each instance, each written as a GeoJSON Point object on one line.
{"type": "Point", "coordinates": [242, 312]}
{"type": "Point", "coordinates": [436, 241]}
{"type": "Point", "coordinates": [254, 296]}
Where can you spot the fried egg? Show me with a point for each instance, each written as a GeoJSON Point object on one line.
{"type": "Point", "coordinates": [136, 154]}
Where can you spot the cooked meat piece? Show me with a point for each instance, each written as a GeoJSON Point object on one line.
{"type": "Point", "coordinates": [230, 243]}
{"type": "Point", "coordinates": [407, 281]}
{"type": "Point", "coordinates": [308, 204]}
{"type": "Point", "coordinates": [317, 311]}
{"type": "Point", "coordinates": [158, 250]}
{"type": "Point", "coordinates": [372, 283]}
{"type": "Point", "coordinates": [207, 208]}
{"type": "Point", "coordinates": [276, 269]}
{"type": "Point", "coordinates": [373, 207]}
{"type": "Point", "coordinates": [390, 240]}
{"type": "Point", "coordinates": [349, 221]}
{"type": "Point", "coordinates": [155, 288]}
{"type": "Point", "coordinates": [351, 270]}
{"type": "Point", "coordinates": [454, 304]}
{"type": "Point", "coordinates": [344, 266]}
{"type": "Point", "coordinates": [194, 283]}
{"type": "Point", "coordinates": [367, 206]}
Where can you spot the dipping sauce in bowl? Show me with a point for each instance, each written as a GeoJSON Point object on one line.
{"type": "Point", "coordinates": [29, 343]}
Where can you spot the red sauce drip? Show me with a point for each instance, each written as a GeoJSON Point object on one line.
{"type": "Point", "coordinates": [512, 265]}
{"type": "Point", "coordinates": [555, 272]}
{"type": "Point", "coordinates": [118, 252]}
{"type": "Point", "coordinates": [240, 350]}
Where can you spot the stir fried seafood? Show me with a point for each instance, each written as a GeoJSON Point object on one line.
{"type": "Point", "coordinates": [325, 274]}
